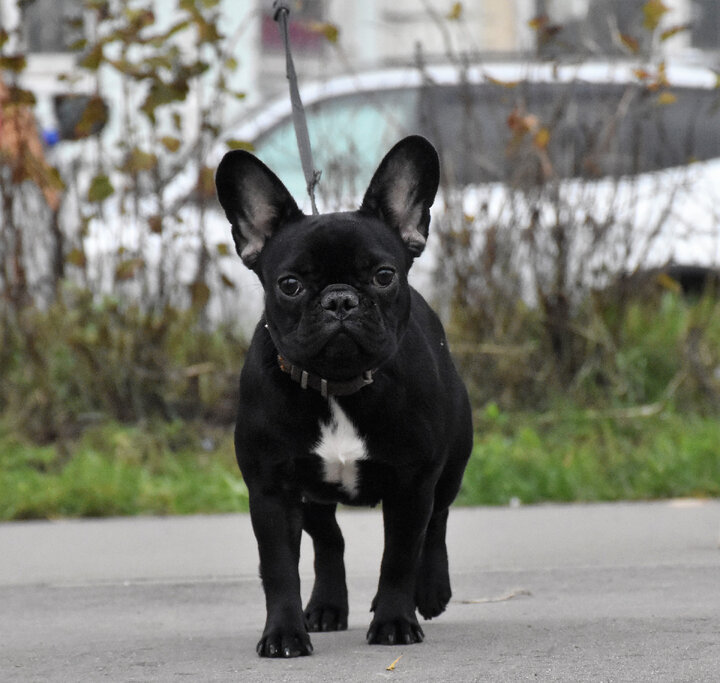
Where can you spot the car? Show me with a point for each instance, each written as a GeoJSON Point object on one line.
{"type": "Point", "coordinates": [619, 148]}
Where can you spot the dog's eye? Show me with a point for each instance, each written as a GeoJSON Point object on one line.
{"type": "Point", "coordinates": [384, 277]}
{"type": "Point", "coordinates": [290, 286]}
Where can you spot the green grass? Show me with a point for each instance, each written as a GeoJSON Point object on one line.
{"type": "Point", "coordinates": [176, 468]}
{"type": "Point", "coordinates": [184, 468]}
{"type": "Point", "coordinates": [574, 455]}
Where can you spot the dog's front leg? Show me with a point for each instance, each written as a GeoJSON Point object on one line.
{"type": "Point", "coordinates": [277, 523]}
{"type": "Point", "coordinates": [405, 518]}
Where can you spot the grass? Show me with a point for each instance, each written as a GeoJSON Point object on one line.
{"type": "Point", "coordinates": [574, 455]}
{"type": "Point", "coordinates": [184, 468]}
{"type": "Point", "coordinates": [176, 468]}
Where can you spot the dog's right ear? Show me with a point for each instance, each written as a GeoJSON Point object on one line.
{"type": "Point", "coordinates": [255, 202]}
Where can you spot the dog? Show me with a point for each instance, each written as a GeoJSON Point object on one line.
{"type": "Point", "coordinates": [348, 395]}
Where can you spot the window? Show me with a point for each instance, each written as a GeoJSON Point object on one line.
{"type": "Point", "coordinates": [706, 24]}
{"type": "Point", "coordinates": [303, 39]}
{"type": "Point", "coordinates": [595, 129]}
{"type": "Point", "coordinates": [590, 27]}
{"type": "Point", "coordinates": [349, 135]}
{"type": "Point", "coordinates": [52, 26]}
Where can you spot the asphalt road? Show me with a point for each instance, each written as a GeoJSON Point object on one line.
{"type": "Point", "coordinates": [621, 592]}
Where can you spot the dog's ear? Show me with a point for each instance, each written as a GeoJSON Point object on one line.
{"type": "Point", "coordinates": [255, 202]}
{"type": "Point", "coordinates": [403, 189]}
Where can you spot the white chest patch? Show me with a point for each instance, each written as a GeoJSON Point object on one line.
{"type": "Point", "coordinates": [340, 447]}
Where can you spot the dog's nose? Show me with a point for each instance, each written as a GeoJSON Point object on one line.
{"type": "Point", "coordinates": [340, 301]}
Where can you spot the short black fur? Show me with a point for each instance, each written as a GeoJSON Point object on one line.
{"type": "Point", "coordinates": [338, 304]}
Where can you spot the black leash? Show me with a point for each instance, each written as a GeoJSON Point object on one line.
{"type": "Point", "coordinates": [282, 11]}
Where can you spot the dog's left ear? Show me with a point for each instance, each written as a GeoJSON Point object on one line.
{"type": "Point", "coordinates": [403, 189]}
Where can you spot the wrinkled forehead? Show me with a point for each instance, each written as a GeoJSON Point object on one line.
{"type": "Point", "coordinates": [334, 242]}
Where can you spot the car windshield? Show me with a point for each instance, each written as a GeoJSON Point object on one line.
{"type": "Point", "coordinates": [349, 136]}
{"type": "Point", "coordinates": [511, 132]}
{"type": "Point", "coordinates": [494, 132]}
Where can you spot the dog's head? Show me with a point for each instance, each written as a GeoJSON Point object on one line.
{"type": "Point", "coordinates": [337, 299]}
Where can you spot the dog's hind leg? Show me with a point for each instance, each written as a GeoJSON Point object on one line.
{"type": "Point", "coordinates": [327, 609]}
{"type": "Point", "coordinates": [432, 588]}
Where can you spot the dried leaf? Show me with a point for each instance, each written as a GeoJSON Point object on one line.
{"type": "Point", "coordinates": [14, 63]}
{"type": "Point", "coordinates": [673, 31]}
{"type": "Point", "coordinates": [392, 666]}
{"type": "Point", "coordinates": [207, 31]}
{"type": "Point", "coordinates": [76, 257]}
{"type": "Point", "coordinates": [653, 12]}
{"type": "Point", "coordinates": [542, 138]}
{"type": "Point", "coordinates": [16, 95]}
{"type": "Point", "coordinates": [330, 31]}
{"type": "Point", "coordinates": [502, 84]}
{"type": "Point", "coordinates": [171, 144]}
{"type": "Point", "coordinates": [93, 58]}
{"type": "Point", "coordinates": [199, 294]}
{"type": "Point", "coordinates": [538, 22]}
{"type": "Point", "coordinates": [666, 97]}
{"type": "Point", "coordinates": [455, 12]}
{"type": "Point", "coordinates": [227, 282]}
{"type": "Point", "coordinates": [126, 270]}
{"type": "Point", "coordinates": [206, 182]}
{"type": "Point", "coordinates": [93, 118]}
{"type": "Point", "coordinates": [669, 283]}
{"type": "Point", "coordinates": [155, 224]}
{"type": "Point", "coordinates": [78, 45]}
{"type": "Point", "coordinates": [630, 42]}
{"type": "Point", "coordinates": [521, 123]}
{"type": "Point", "coordinates": [161, 93]}
{"type": "Point", "coordinates": [240, 144]}
{"type": "Point", "coordinates": [138, 161]}
{"type": "Point", "coordinates": [501, 598]}
{"type": "Point", "coordinates": [545, 30]}
{"type": "Point", "coordinates": [100, 188]}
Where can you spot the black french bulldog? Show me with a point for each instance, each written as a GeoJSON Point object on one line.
{"type": "Point", "coordinates": [348, 395]}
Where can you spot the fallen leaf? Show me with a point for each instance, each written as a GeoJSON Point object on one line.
{"type": "Point", "coordinates": [502, 598]}
{"type": "Point", "coordinates": [392, 666]}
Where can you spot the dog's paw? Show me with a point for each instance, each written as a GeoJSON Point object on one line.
{"type": "Point", "coordinates": [285, 644]}
{"type": "Point", "coordinates": [325, 617]}
{"type": "Point", "coordinates": [398, 631]}
{"type": "Point", "coordinates": [432, 595]}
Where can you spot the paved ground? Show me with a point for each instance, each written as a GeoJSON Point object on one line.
{"type": "Point", "coordinates": [550, 593]}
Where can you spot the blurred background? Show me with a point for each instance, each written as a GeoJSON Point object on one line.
{"type": "Point", "coordinates": [574, 256]}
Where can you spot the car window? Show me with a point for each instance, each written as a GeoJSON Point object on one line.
{"type": "Point", "coordinates": [593, 130]}
{"type": "Point", "coordinates": [349, 137]}
{"type": "Point", "coordinates": [487, 132]}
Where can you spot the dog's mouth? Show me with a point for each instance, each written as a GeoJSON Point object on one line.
{"type": "Point", "coordinates": [343, 344]}
{"type": "Point", "coordinates": [340, 353]}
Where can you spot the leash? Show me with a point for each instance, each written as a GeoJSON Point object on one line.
{"type": "Point", "coordinates": [281, 13]}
